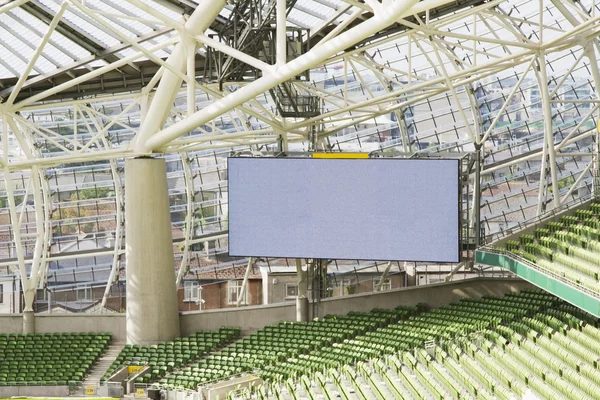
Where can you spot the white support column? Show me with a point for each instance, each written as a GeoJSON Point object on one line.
{"type": "Point", "coordinates": [42, 235]}
{"type": "Point", "coordinates": [541, 200]}
{"type": "Point", "coordinates": [281, 32]}
{"type": "Point", "coordinates": [28, 321]}
{"type": "Point", "coordinates": [302, 299]}
{"type": "Point", "coordinates": [591, 55]}
{"type": "Point", "coordinates": [188, 231]}
{"type": "Point", "coordinates": [119, 204]}
{"type": "Point", "coordinates": [191, 76]}
{"type": "Point", "coordinates": [383, 277]}
{"type": "Point", "coordinates": [152, 309]}
{"type": "Point", "coordinates": [242, 296]}
{"type": "Point", "coordinates": [548, 129]}
{"type": "Point", "coordinates": [170, 83]}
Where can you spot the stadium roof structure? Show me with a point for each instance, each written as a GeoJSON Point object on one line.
{"type": "Point", "coordinates": [85, 84]}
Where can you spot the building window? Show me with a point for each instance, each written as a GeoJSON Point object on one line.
{"type": "Point", "coordinates": [1, 293]}
{"type": "Point", "coordinates": [291, 290]}
{"type": "Point", "coordinates": [84, 293]}
{"type": "Point", "coordinates": [41, 295]}
{"type": "Point", "coordinates": [191, 291]}
{"type": "Point", "coordinates": [387, 284]}
{"type": "Point", "coordinates": [234, 292]}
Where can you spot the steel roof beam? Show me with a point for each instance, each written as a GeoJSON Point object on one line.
{"type": "Point", "coordinates": [434, 13]}
{"type": "Point", "coordinates": [134, 80]}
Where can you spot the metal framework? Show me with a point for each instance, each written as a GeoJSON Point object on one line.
{"type": "Point", "coordinates": [84, 85]}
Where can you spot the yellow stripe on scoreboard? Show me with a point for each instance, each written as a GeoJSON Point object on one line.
{"type": "Point", "coordinates": [340, 155]}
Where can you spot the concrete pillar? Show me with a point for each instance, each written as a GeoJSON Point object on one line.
{"type": "Point", "coordinates": [152, 311]}
{"type": "Point", "coordinates": [301, 309]}
{"type": "Point", "coordinates": [28, 322]}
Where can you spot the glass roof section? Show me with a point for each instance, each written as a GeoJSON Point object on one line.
{"type": "Point", "coordinates": [471, 74]}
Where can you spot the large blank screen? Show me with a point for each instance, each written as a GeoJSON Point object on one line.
{"type": "Point", "coordinates": [364, 209]}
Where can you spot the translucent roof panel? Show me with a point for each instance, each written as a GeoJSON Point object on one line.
{"type": "Point", "coordinates": [72, 49]}
{"type": "Point", "coordinates": [81, 33]}
{"type": "Point", "coordinates": [93, 29]}
{"type": "Point", "coordinates": [89, 28]}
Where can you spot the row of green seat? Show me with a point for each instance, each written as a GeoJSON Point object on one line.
{"type": "Point", "coordinates": [169, 356]}
{"type": "Point", "coordinates": [569, 248]}
{"type": "Point", "coordinates": [276, 343]}
{"type": "Point", "coordinates": [521, 345]}
{"type": "Point", "coordinates": [49, 359]}
{"type": "Point", "coordinates": [461, 318]}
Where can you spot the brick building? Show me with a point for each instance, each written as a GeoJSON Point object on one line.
{"type": "Point", "coordinates": [220, 288]}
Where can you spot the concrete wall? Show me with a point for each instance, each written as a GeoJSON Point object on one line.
{"type": "Point", "coordinates": [250, 319]}
{"type": "Point", "coordinates": [113, 323]}
{"type": "Point", "coordinates": [253, 318]}
{"type": "Point", "coordinates": [435, 295]}
{"type": "Point", "coordinates": [34, 391]}
{"type": "Point", "coordinates": [10, 294]}
{"type": "Point", "coordinates": [11, 323]}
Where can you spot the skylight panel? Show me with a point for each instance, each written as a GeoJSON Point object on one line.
{"type": "Point", "coordinates": [161, 9]}
{"type": "Point", "coordinates": [4, 73]}
{"type": "Point", "coordinates": [314, 8]}
{"type": "Point", "coordinates": [303, 19]}
{"type": "Point", "coordinates": [96, 34]}
{"type": "Point", "coordinates": [75, 51]}
{"type": "Point", "coordinates": [9, 58]}
{"type": "Point", "coordinates": [117, 8]}
{"type": "Point", "coordinates": [50, 58]}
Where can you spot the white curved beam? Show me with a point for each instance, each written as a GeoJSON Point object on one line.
{"type": "Point", "coordinates": [394, 9]}
{"type": "Point", "coordinates": [170, 83]}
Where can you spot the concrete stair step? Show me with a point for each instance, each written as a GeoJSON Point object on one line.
{"type": "Point", "coordinates": [102, 364]}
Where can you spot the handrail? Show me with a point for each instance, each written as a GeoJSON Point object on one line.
{"type": "Point", "coordinates": [528, 223]}
{"type": "Point", "coordinates": [119, 368]}
{"type": "Point", "coordinates": [494, 250]}
{"type": "Point", "coordinates": [160, 386]}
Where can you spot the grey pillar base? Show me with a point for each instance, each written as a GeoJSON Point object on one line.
{"type": "Point", "coordinates": [28, 322]}
{"type": "Point", "coordinates": [301, 309]}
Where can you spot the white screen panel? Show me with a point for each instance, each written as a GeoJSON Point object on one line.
{"type": "Point", "coordinates": [364, 209]}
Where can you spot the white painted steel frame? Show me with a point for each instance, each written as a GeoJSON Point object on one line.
{"type": "Point", "coordinates": [180, 68]}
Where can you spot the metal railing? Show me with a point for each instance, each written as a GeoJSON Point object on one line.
{"type": "Point", "coordinates": [141, 389]}
{"type": "Point", "coordinates": [188, 392]}
{"type": "Point", "coordinates": [553, 275]}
